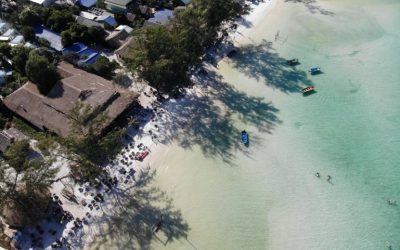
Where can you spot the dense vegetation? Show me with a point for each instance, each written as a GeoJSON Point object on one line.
{"type": "Point", "coordinates": [24, 182]}
{"type": "Point", "coordinates": [164, 55]}
{"type": "Point", "coordinates": [86, 148]}
{"type": "Point", "coordinates": [36, 64]}
{"type": "Point", "coordinates": [57, 18]}
{"type": "Point", "coordinates": [79, 33]}
{"type": "Point", "coordinates": [40, 70]}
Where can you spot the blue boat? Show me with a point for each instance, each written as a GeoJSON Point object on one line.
{"type": "Point", "coordinates": [245, 137]}
{"type": "Point", "coordinates": [315, 70]}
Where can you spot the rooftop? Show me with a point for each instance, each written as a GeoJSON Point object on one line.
{"type": "Point", "coordinates": [53, 37]}
{"type": "Point", "coordinates": [87, 3]}
{"type": "Point", "coordinates": [88, 55]}
{"type": "Point", "coordinates": [51, 111]}
{"type": "Point", "coordinates": [119, 2]}
{"type": "Point", "coordinates": [161, 17]}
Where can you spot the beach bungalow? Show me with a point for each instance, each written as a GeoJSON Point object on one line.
{"type": "Point", "coordinates": [53, 37]}
{"type": "Point", "coordinates": [161, 17]}
{"type": "Point", "coordinates": [50, 112]}
{"type": "Point", "coordinates": [119, 6]}
{"type": "Point", "coordinates": [44, 3]}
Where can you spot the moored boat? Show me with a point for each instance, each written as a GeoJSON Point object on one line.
{"type": "Point", "coordinates": [315, 70]}
{"type": "Point", "coordinates": [293, 61]}
{"type": "Point", "coordinates": [245, 137]}
{"type": "Point", "coordinates": [308, 89]}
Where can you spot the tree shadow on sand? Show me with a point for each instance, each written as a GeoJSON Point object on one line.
{"type": "Point", "coordinates": [312, 7]}
{"type": "Point", "coordinates": [209, 119]}
{"type": "Point", "coordinates": [262, 62]}
{"type": "Point", "coordinates": [128, 224]}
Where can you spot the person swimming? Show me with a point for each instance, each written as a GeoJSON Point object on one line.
{"type": "Point", "coordinates": [317, 174]}
{"type": "Point", "coordinates": [391, 202]}
{"type": "Point", "coordinates": [329, 178]}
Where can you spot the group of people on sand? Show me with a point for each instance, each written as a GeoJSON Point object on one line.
{"type": "Point", "coordinates": [329, 179]}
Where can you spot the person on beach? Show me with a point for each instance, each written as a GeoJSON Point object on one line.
{"type": "Point", "coordinates": [317, 174]}
{"type": "Point", "coordinates": [329, 178]}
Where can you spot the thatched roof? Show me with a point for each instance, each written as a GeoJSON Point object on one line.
{"type": "Point", "coordinates": [51, 112]}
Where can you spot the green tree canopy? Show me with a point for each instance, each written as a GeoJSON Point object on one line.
{"type": "Point", "coordinates": [17, 154]}
{"type": "Point", "coordinates": [104, 67]}
{"type": "Point", "coordinates": [79, 33]}
{"type": "Point", "coordinates": [86, 147]}
{"type": "Point", "coordinates": [163, 56]}
{"type": "Point", "coordinates": [28, 32]}
{"type": "Point", "coordinates": [158, 57]}
{"type": "Point", "coordinates": [59, 20]}
{"type": "Point", "coordinates": [5, 49]}
{"type": "Point", "coordinates": [19, 57]}
{"type": "Point", "coordinates": [24, 189]}
{"type": "Point", "coordinates": [41, 72]}
{"type": "Point", "coordinates": [31, 16]}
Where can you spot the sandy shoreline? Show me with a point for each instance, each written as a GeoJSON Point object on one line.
{"type": "Point", "coordinates": [150, 135]}
{"type": "Point", "coordinates": [158, 149]}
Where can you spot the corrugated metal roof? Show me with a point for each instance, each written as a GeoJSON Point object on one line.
{"type": "Point", "coordinates": [53, 37]}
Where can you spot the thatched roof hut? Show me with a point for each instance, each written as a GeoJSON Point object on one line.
{"type": "Point", "coordinates": [51, 111]}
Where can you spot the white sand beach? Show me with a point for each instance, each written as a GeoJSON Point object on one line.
{"type": "Point", "coordinates": [214, 193]}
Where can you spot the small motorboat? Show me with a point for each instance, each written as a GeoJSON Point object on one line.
{"type": "Point", "coordinates": [245, 137]}
{"type": "Point", "coordinates": [315, 70]}
{"type": "Point", "coordinates": [308, 90]}
{"type": "Point", "coordinates": [293, 61]}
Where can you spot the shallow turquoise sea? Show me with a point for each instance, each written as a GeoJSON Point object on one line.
{"type": "Point", "coordinates": [266, 196]}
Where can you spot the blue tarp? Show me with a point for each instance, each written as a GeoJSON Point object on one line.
{"type": "Point", "coordinates": [88, 56]}
{"type": "Point", "coordinates": [87, 3]}
{"type": "Point", "coordinates": [53, 37]}
{"type": "Point", "coordinates": [110, 20]}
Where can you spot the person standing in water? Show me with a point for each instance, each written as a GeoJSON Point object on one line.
{"type": "Point", "coordinates": [329, 178]}
{"type": "Point", "coordinates": [317, 174]}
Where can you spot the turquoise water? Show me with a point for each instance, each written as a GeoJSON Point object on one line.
{"type": "Point", "coordinates": [266, 196]}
